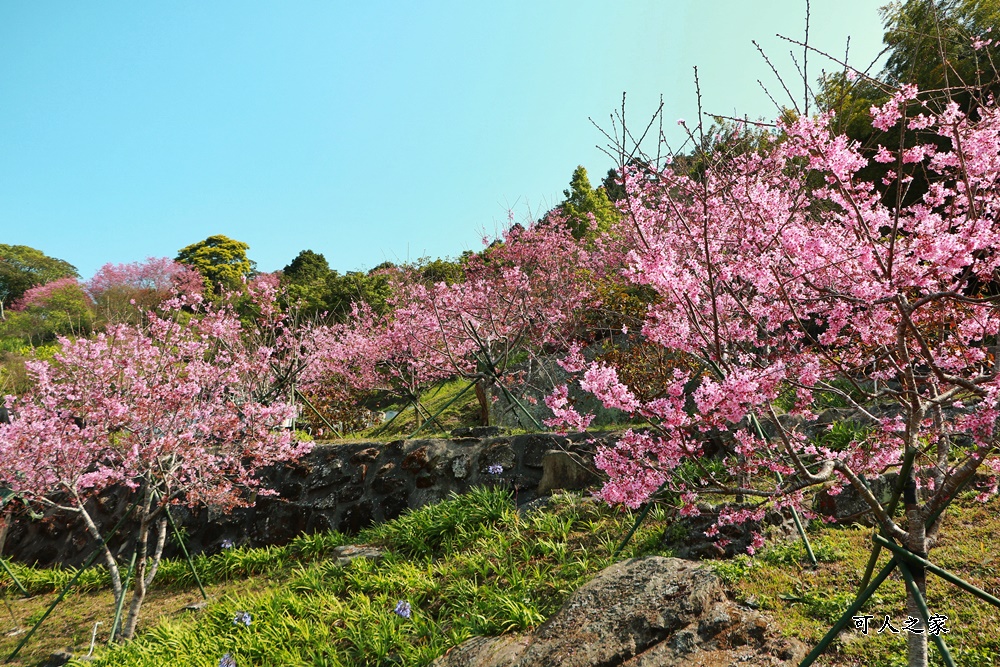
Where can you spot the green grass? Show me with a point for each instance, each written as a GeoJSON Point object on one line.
{"type": "Point", "coordinates": [463, 412]}
{"type": "Point", "coordinates": [468, 566]}
{"type": "Point", "coordinates": [472, 566]}
{"type": "Point", "coordinates": [805, 602]}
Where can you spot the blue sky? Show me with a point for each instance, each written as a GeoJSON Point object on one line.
{"type": "Point", "coordinates": [367, 131]}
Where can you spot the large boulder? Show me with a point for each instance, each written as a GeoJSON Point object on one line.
{"type": "Point", "coordinates": [647, 612]}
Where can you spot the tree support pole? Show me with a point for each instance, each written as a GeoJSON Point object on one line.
{"type": "Point", "coordinates": [318, 413]}
{"type": "Point", "coordinates": [180, 541]}
{"type": "Point", "coordinates": [897, 491]}
{"type": "Point", "coordinates": [386, 425]}
{"type": "Point", "coordinates": [851, 611]}
{"type": "Point", "coordinates": [121, 601]}
{"type": "Point", "coordinates": [438, 413]}
{"type": "Point", "coordinates": [898, 552]}
{"type": "Point", "coordinates": [72, 582]}
{"type": "Point", "coordinates": [795, 514]}
{"type": "Point", "coordinates": [516, 402]}
{"type": "Point", "coordinates": [638, 521]}
{"type": "Point", "coordinates": [17, 582]}
{"type": "Point", "coordinates": [922, 606]}
{"type": "Point", "coordinates": [913, 559]}
{"type": "Point", "coordinates": [417, 405]}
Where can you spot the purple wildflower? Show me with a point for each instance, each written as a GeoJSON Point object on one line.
{"type": "Point", "coordinates": [242, 618]}
{"type": "Point", "coordinates": [495, 469]}
{"type": "Point", "coordinates": [227, 661]}
{"type": "Point", "coordinates": [403, 608]}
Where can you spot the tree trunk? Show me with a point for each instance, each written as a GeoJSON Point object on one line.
{"type": "Point", "coordinates": [484, 407]}
{"type": "Point", "coordinates": [146, 567]}
{"type": "Point", "coordinates": [916, 643]}
{"type": "Point", "coordinates": [109, 558]}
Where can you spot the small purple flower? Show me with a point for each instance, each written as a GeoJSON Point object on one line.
{"type": "Point", "coordinates": [227, 544]}
{"type": "Point", "coordinates": [495, 469]}
{"type": "Point", "coordinates": [403, 609]}
{"type": "Point", "coordinates": [227, 661]}
{"type": "Point", "coordinates": [242, 618]}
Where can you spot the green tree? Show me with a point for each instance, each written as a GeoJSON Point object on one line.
{"type": "Point", "coordinates": [23, 267]}
{"type": "Point", "coordinates": [221, 261]}
{"type": "Point", "coordinates": [440, 271]}
{"type": "Point", "coordinates": [587, 211]}
{"type": "Point", "coordinates": [306, 280]}
{"type": "Point", "coordinates": [372, 288]}
{"type": "Point", "coordinates": [930, 43]}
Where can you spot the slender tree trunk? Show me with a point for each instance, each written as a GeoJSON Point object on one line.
{"type": "Point", "coordinates": [146, 566]}
{"type": "Point", "coordinates": [916, 644]}
{"type": "Point", "coordinates": [484, 407]}
{"type": "Point", "coordinates": [109, 558]}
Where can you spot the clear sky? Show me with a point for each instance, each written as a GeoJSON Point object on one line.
{"type": "Point", "coordinates": [367, 131]}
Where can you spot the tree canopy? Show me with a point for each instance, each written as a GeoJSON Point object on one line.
{"type": "Point", "coordinates": [221, 261]}
{"type": "Point", "coordinates": [587, 211]}
{"type": "Point", "coordinates": [23, 267]}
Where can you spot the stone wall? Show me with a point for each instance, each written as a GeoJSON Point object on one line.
{"type": "Point", "coordinates": [343, 487]}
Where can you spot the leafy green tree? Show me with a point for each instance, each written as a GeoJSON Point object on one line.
{"type": "Point", "coordinates": [614, 189]}
{"type": "Point", "coordinates": [307, 267]}
{"type": "Point", "coordinates": [306, 281]}
{"type": "Point", "coordinates": [587, 211]}
{"type": "Point", "coordinates": [221, 261]}
{"type": "Point", "coordinates": [440, 271]}
{"type": "Point", "coordinates": [938, 44]}
{"type": "Point", "coordinates": [23, 267]}
{"type": "Point", "coordinates": [343, 290]}
{"type": "Point", "coordinates": [941, 46]}
{"type": "Point", "coordinates": [947, 49]}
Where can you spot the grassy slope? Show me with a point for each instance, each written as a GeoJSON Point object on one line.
{"type": "Point", "coordinates": [463, 412]}
{"type": "Point", "coordinates": [472, 566]}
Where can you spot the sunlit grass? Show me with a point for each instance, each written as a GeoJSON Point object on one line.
{"type": "Point", "coordinates": [473, 566]}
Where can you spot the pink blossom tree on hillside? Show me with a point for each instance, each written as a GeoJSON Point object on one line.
{"type": "Point", "coordinates": [170, 410]}
{"type": "Point", "coordinates": [781, 271]}
{"type": "Point", "coordinates": [59, 307]}
{"type": "Point", "coordinates": [125, 292]}
{"type": "Point", "coordinates": [344, 365]}
{"type": "Point", "coordinates": [521, 296]}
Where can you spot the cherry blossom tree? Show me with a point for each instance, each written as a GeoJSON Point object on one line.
{"type": "Point", "coordinates": [783, 276]}
{"type": "Point", "coordinates": [125, 292]}
{"type": "Point", "coordinates": [344, 365]}
{"type": "Point", "coordinates": [172, 411]}
{"type": "Point", "coordinates": [524, 295]}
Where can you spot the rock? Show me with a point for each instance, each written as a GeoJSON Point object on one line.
{"type": "Point", "coordinates": [686, 535]}
{"type": "Point", "coordinates": [478, 432]}
{"type": "Point", "coordinates": [366, 455]}
{"type": "Point", "coordinates": [386, 481]}
{"type": "Point", "coordinates": [416, 460]}
{"type": "Point", "coordinates": [335, 487]}
{"type": "Point", "coordinates": [648, 612]}
{"type": "Point", "coordinates": [343, 556]}
{"type": "Point", "coordinates": [356, 517]}
{"type": "Point", "coordinates": [848, 506]}
{"type": "Point", "coordinates": [564, 470]}
{"type": "Point", "coordinates": [460, 466]}
{"type": "Point", "coordinates": [60, 658]}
